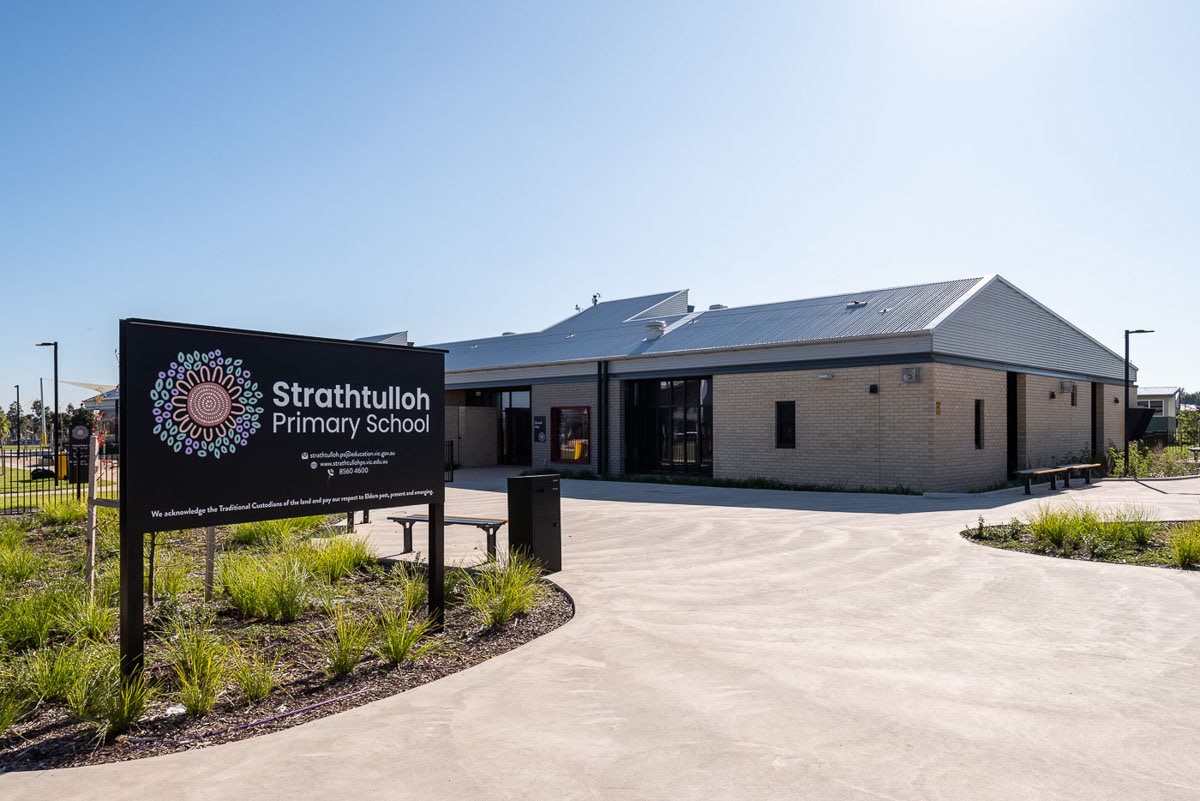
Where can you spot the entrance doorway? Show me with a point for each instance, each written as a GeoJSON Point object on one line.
{"type": "Point", "coordinates": [514, 426]}
{"type": "Point", "coordinates": [668, 426]}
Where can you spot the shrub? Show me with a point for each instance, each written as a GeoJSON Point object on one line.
{"type": "Point", "coordinates": [61, 514]}
{"type": "Point", "coordinates": [110, 705]}
{"type": "Point", "coordinates": [172, 575]}
{"type": "Point", "coordinates": [1064, 529]}
{"type": "Point", "coordinates": [274, 587]}
{"type": "Point", "coordinates": [338, 557]}
{"type": "Point", "coordinates": [414, 589]}
{"type": "Point", "coordinates": [343, 646]}
{"type": "Point", "coordinates": [504, 589]}
{"type": "Point", "coordinates": [12, 708]}
{"type": "Point", "coordinates": [50, 673]}
{"type": "Point", "coordinates": [402, 638]}
{"type": "Point", "coordinates": [28, 621]}
{"type": "Point", "coordinates": [455, 580]}
{"type": "Point", "coordinates": [108, 585]}
{"type": "Point", "coordinates": [1185, 546]}
{"type": "Point", "coordinates": [18, 563]}
{"type": "Point", "coordinates": [12, 534]}
{"type": "Point", "coordinates": [255, 674]}
{"type": "Point", "coordinates": [82, 618]}
{"type": "Point", "coordinates": [308, 524]}
{"type": "Point", "coordinates": [272, 534]}
{"type": "Point", "coordinates": [1148, 462]}
{"type": "Point", "coordinates": [1131, 523]}
{"type": "Point", "coordinates": [197, 655]}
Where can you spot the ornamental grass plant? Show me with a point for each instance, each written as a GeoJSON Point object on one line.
{"type": "Point", "coordinates": [342, 646]}
{"type": "Point", "coordinates": [61, 514]}
{"type": "Point", "coordinates": [254, 673]}
{"type": "Point", "coordinates": [274, 587]}
{"type": "Point", "coordinates": [198, 657]}
{"type": "Point", "coordinates": [403, 639]}
{"type": "Point", "coordinates": [503, 589]}
{"type": "Point", "coordinates": [333, 559]}
{"type": "Point", "coordinates": [1185, 546]}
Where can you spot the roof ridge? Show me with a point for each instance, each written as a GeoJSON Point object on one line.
{"type": "Point", "coordinates": [844, 294]}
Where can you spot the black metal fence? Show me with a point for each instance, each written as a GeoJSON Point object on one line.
{"type": "Point", "coordinates": [29, 478]}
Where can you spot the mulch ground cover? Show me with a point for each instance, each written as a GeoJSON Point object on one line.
{"type": "Point", "coordinates": [1018, 536]}
{"type": "Point", "coordinates": [50, 738]}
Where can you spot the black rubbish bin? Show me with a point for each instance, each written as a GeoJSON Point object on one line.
{"type": "Point", "coordinates": [535, 519]}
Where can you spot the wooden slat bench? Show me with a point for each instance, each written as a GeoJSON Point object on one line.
{"type": "Point", "coordinates": [1033, 472]}
{"type": "Point", "coordinates": [489, 524]}
{"type": "Point", "coordinates": [1084, 468]}
{"type": "Point", "coordinates": [1054, 472]}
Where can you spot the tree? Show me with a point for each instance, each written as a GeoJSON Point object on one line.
{"type": "Point", "coordinates": [4, 427]}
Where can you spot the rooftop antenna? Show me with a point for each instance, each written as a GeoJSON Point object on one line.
{"type": "Point", "coordinates": [595, 298]}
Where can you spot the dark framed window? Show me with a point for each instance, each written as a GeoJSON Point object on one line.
{"type": "Point", "coordinates": [785, 424]}
{"type": "Point", "coordinates": [572, 429]}
{"type": "Point", "coordinates": [1074, 396]}
{"type": "Point", "coordinates": [979, 424]}
{"type": "Point", "coordinates": [669, 426]}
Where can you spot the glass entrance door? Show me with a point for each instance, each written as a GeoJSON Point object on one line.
{"type": "Point", "coordinates": [669, 426]}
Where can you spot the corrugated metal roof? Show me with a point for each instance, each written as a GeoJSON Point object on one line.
{"type": "Point", "coordinates": [1157, 391]}
{"type": "Point", "coordinates": [615, 329]}
{"type": "Point", "coordinates": [880, 312]}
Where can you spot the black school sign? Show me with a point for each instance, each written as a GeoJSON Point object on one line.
{"type": "Point", "coordinates": [223, 426]}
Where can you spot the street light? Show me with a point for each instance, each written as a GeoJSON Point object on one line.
{"type": "Point", "coordinates": [17, 387]}
{"type": "Point", "coordinates": [1125, 423]}
{"type": "Point", "coordinates": [55, 346]}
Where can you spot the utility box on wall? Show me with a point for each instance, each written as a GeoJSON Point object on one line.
{"type": "Point", "coordinates": [535, 519]}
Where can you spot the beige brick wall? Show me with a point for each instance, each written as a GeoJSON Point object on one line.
{"type": "Point", "coordinates": [957, 463]}
{"type": "Point", "coordinates": [1052, 427]}
{"type": "Point", "coordinates": [546, 396]}
{"type": "Point", "coordinates": [1114, 420]}
{"type": "Point", "coordinates": [473, 429]}
{"type": "Point", "coordinates": [616, 426]}
{"type": "Point", "coordinates": [844, 435]}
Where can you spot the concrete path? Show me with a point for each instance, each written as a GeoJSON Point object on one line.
{"type": "Point", "coordinates": [741, 645]}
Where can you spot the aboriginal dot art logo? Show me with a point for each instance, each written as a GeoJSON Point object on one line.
{"type": "Point", "coordinates": [205, 404]}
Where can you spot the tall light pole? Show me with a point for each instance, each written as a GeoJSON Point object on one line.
{"type": "Point", "coordinates": [55, 346]}
{"type": "Point", "coordinates": [1125, 411]}
{"type": "Point", "coordinates": [17, 387]}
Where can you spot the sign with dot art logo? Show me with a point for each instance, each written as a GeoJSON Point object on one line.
{"type": "Point", "coordinates": [223, 426]}
{"type": "Point", "coordinates": [206, 404]}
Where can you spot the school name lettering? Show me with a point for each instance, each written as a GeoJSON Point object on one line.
{"type": "Point", "coordinates": [346, 397]}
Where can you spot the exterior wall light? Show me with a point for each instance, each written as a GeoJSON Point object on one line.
{"type": "Point", "coordinates": [873, 389]}
{"type": "Point", "coordinates": [1052, 395]}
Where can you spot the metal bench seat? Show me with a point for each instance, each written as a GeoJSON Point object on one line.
{"type": "Point", "coordinates": [489, 524]}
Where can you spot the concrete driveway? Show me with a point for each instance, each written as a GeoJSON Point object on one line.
{"type": "Point", "coordinates": [736, 644]}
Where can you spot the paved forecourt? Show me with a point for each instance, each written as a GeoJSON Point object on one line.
{"type": "Point", "coordinates": [736, 644]}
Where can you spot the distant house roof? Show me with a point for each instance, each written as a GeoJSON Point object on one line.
{"type": "Point", "coordinates": [397, 338]}
{"type": "Point", "coordinates": [1144, 391]}
{"type": "Point", "coordinates": [985, 319]}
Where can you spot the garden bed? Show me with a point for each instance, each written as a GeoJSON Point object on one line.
{"type": "Point", "coordinates": [1122, 536]}
{"type": "Point", "coordinates": [358, 635]}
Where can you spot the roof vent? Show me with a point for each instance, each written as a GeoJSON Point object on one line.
{"type": "Point", "coordinates": [856, 304]}
{"type": "Point", "coordinates": [509, 334]}
{"type": "Point", "coordinates": [717, 307]}
{"type": "Point", "coordinates": [655, 329]}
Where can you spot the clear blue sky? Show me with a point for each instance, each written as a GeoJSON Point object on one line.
{"type": "Point", "coordinates": [462, 169]}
